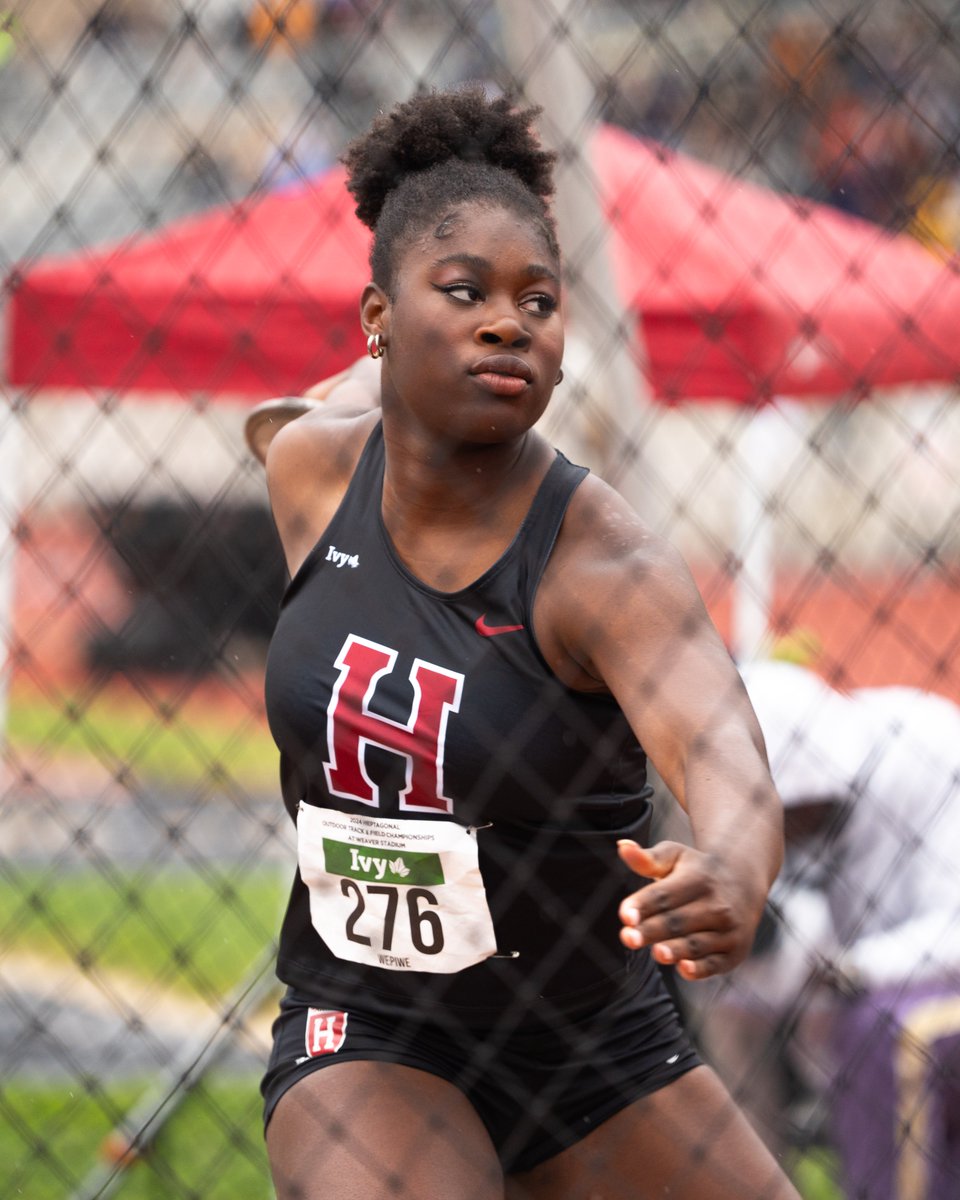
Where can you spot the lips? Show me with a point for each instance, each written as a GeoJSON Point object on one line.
{"type": "Point", "coordinates": [502, 375]}
{"type": "Point", "coordinates": [503, 364]}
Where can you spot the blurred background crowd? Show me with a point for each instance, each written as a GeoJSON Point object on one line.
{"type": "Point", "coordinates": [855, 105]}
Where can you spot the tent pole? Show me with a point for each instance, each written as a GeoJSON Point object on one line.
{"type": "Point", "coordinates": [764, 450]}
{"type": "Point", "coordinates": [538, 38]}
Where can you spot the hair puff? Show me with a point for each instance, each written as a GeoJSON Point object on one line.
{"type": "Point", "coordinates": [435, 127]}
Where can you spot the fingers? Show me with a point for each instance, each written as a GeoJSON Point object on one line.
{"type": "Point", "coordinates": [705, 952]}
{"type": "Point", "coordinates": [698, 939]}
{"type": "Point", "coordinates": [672, 886]}
{"type": "Point", "coordinates": [689, 914]}
{"type": "Point", "coordinates": [705, 968]}
{"type": "Point", "coordinates": [706, 956]}
{"type": "Point", "coordinates": [653, 862]}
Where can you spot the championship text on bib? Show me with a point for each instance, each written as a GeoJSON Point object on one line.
{"type": "Point", "coordinates": [404, 895]}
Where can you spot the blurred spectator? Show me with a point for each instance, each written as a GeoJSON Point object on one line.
{"type": "Point", "coordinates": [937, 213]}
{"type": "Point", "coordinates": [865, 157]}
{"type": "Point", "coordinates": [274, 23]}
{"type": "Point", "coordinates": [871, 787]}
{"type": "Point", "coordinates": [849, 115]}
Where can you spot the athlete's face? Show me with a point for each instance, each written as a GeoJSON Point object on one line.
{"type": "Point", "coordinates": [474, 332]}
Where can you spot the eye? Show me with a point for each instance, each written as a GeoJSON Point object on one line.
{"type": "Point", "coordinates": [465, 293]}
{"type": "Point", "coordinates": [542, 304]}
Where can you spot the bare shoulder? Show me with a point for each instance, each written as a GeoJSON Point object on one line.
{"type": "Point", "coordinates": [330, 436]}
{"type": "Point", "coordinates": [614, 590]}
{"type": "Point", "coordinates": [604, 536]}
{"type": "Point", "coordinates": [309, 465]}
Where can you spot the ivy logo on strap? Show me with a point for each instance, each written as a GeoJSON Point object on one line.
{"type": "Point", "coordinates": [373, 865]}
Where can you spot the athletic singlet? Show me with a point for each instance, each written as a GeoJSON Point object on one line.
{"type": "Point", "coordinates": [457, 806]}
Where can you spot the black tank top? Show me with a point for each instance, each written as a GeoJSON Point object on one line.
{"type": "Point", "coordinates": [390, 698]}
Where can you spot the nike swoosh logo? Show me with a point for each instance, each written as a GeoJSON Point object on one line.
{"type": "Point", "coordinates": [486, 630]}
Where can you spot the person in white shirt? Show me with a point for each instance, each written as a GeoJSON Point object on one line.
{"type": "Point", "coordinates": [870, 782]}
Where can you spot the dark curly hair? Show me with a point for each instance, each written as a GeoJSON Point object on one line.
{"type": "Point", "coordinates": [440, 149]}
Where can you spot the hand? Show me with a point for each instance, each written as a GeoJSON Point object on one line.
{"type": "Point", "coordinates": [266, 419]}
{"type": "Point", "coordinates": [694, 914]}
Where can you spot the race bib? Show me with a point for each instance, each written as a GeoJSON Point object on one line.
{"type": "Point", "coordinates": [402, 895]}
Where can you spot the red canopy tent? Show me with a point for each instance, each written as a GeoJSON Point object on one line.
{"type": "Point", "coordinates": [740, 293]}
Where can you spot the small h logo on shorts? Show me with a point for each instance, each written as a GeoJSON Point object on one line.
{"type": "Point", "coordinates": [325, 1031]}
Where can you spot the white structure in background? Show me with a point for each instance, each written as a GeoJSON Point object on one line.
{"type": "Point", "coordinates": [11, 455]}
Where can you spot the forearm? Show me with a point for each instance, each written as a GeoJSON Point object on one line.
{"type": "Point", "coordinates": [735, 813]}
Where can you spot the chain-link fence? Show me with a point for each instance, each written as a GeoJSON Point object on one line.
{"type": "Point", "coordinates": [760, 201]}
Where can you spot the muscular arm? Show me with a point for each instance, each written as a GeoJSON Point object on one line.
{"type": "Point", "coordinates": [630, 618]}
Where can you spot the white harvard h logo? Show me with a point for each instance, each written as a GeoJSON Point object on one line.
{"type": "Point", "coordinates": [352, 727]}
{"type": "Point", "coordinates": [325, 1032]}
{"type": "Point", "coordinates": [341, 559]}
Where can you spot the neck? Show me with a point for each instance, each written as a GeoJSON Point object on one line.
{"type": "Point", "coordinates": [445, 484]}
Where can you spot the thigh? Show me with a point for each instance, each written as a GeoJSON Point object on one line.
{"type": "Point", "coordinates": [363, 1130]}
{"type": "Point", "coordinates": [688, 1141]}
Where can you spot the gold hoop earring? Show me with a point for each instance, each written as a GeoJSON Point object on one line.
{"type": "Point", "coordinates": [375, 346]}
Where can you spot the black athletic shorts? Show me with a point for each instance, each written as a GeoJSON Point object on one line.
{"type": "Point", "coordinates": [540, 1081]}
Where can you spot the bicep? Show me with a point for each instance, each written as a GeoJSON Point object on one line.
{"type": "Point", "coordinates": [652, 642]}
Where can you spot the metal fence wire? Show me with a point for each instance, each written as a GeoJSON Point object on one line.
{"type": "Point", "coordinates": [760, 205]}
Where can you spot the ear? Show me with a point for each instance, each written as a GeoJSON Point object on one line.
{"type": "Point", "coordinates": [374, 310]}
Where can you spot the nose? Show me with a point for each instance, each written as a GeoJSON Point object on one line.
{"type": "Point", "coordinates": [504, 331]}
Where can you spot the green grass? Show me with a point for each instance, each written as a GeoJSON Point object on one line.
{"type": "Point", "coordinates": [198, 932]}
{"type": "Point", "coordinates": [212, 1146]}
{"type": "Point", "coordinates": [177, 742]}
{"type": "Point", "coordinates": [197, 929]}
{"type": "Point", "coordinates": [174, 929]}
